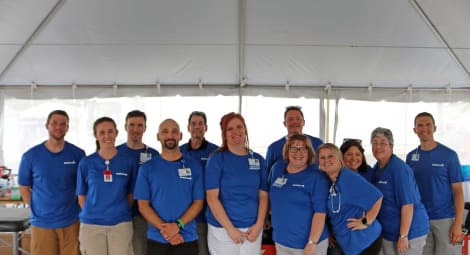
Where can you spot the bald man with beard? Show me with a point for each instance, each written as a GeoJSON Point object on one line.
{"type": "Point", "coordinates": [170, 195]}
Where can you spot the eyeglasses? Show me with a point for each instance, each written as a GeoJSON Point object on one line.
{"type": "Point", "coordinates": [297, 149]}
{"type": "Point", "coordinates": [352, 140]}
{"type": "Point", "coordinates": [379, 144]}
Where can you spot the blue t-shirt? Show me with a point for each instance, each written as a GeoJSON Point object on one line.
{"type": "Point", "coordinates": [140, 156]}
{"type": "Point", "coordinates": [398, 186]}
{"type": "Point", "coordinates": [201, 154]}
{"type": "Point", "coordinates": [239, 180]}
{"type": "Point", "coordinates": [368, 174]}
{"type": "Point", "coordinates": [295, 198]}
{"type": "Point", "coordinates": [274, 152]}
{"type": "Point", "coordinates": [52, 178]}
{"type": "Point", "coordinates": [351, 196]}
{"type": "Point", "coordinates": [170, 187]}
{"type": "Point", "coordinates": [106, 203]}
{"type": "Point", "coordinates": [435, 172]}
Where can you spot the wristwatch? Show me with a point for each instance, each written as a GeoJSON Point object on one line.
{"type": "Point", "coordinates": [364, 222]}
{"type": "Point", "coordinates": [402, 236]}
{"type": "Point", "coordinates": [311, 242]}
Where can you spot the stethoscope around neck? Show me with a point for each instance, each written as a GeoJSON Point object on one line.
{"type": "Point", "coordinates": [334, 192]}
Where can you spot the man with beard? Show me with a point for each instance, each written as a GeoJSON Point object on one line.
{"type": "Point", "coordinates": [170, 195]}
{"type": "Point", "coordinates": [199, 148]}
{"type": "Point", "coordinates": [135, 127]}
{"type": "Point", "coordinates": [47, 178]}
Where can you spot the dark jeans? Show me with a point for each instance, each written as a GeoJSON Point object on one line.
{"type": "Point", "coordinates": [156, 248]}
{"type": "Point", "coordinates": [374, 248]}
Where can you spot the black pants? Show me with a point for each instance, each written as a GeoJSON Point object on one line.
{"type": "Point", "coordinates": [374, 248]}
{"type": "Point", "coordinates": [156, 248]}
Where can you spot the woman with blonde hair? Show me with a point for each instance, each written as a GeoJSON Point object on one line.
{"type": "Point", "coordinates": [353, 205]}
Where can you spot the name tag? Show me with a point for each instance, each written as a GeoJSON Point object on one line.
{"type": "Point", "coordinates": [108, 176]}
{"type": "Point", "coordinates": [279, 182]}
{"type": "Point", "coordinates": [144, 157]}
{"type": "Point", "coordinates": [254, 164]}
{"type": "Point", "coordinates": [184, 173]}
{"type": "Point", "coordinates": [415, 157]}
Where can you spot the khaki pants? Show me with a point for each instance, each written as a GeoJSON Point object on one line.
{"type": "Point", "coordinates": [103, 240]}
{"type": "Point", "coordinates": [55, 241]}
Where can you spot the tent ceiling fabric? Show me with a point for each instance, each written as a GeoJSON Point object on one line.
{"type": "Point", "coordinates": [304, 43]}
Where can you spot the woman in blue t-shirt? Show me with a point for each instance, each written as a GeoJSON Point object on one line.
{"type": "Point", "coordinates": [298, 194]}
{"type": "Point", "coordinates": [353, 205]}
{"type": "Point", "coordinates": [105, 184]}
{"type": "Point", "coordinates": [354, 159]}
{"type": "Point", "coordinates": [236, 191]}
{"type": "Point", "coordinates": [404, 219]}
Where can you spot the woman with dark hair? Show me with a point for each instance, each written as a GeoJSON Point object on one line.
{"type": "Point", "coordinates": [354, 159]}
{"type": "Point", "coordinates": [298, 192]}
{"type": "Point", "coordinates": [105, 184]}
{"type": "Point", "coordinates": [236, 191]}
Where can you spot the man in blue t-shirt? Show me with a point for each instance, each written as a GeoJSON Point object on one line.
{"type": "Point", "coordinates": [439, 179]}
{"type": "Point", "coordinates": [47, 178]}
{"type": "Point", "coordinates": [135, 126]}
{"type": "Point", "coordinates": [170, 193]}
{"type": "Point", "coordinates": [199, 148]}
{"type": "Point", "coordinates": [294, 122]}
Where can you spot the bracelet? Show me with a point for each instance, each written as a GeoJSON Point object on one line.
{"type": "Point", "coordinates": [180, 223]}
{"type": "Point", "coordinates": [403, 236]}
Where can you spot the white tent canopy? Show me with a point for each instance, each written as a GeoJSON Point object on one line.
{"type": "Point", "coordinates": [400, 50]}
{"type": "Point", "coordinates": [139, 54]}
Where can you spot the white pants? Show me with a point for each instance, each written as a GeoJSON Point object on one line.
{"type": "Point", "coordinates": [220, 243]}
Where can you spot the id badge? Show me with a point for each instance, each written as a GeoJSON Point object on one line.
{"type": "Point", "coordinates": [144, 157]}
{"type": "Point", "coordinates": [184, 173]}
{"type": "Point", "coordinates": [279, 182]}
{"type": "Point", "coordinates": [415, 157]}
{"type": "Point", "coordinates": [108, 176]}
{"type": "Point", "coordinates": [254, 164]}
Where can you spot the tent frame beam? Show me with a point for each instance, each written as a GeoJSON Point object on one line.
{"type": "Point", "coordinates": [433, 27]}
{"type": "Point", "coordinates": [31, 37]}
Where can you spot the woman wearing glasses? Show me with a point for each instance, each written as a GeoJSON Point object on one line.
{"type": "Point", "coordinates": [353, 204]}
{"type": "Point", "coordinates": [298, 201]}
{"type": "Point", "coordinates": [354, 159]}
{"type": "Point", "coordinates": [403, 216]}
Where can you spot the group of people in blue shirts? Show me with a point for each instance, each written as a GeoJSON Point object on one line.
{"type": "Point", "coordinates": [199, 198]}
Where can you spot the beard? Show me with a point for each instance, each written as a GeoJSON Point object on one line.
{"type": "Point", "coordinates": [170, 144]}
{"type": "Point", "coordinates": [57, 137]}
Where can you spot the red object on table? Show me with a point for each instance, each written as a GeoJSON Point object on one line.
{"type": "Point", "coordinates": [466, 240]}
{"type": "Point", "coordinates": [268, 249]}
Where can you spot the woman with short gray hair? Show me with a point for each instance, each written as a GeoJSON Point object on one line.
{"type": "Point", "coordinates": [405, 223]}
